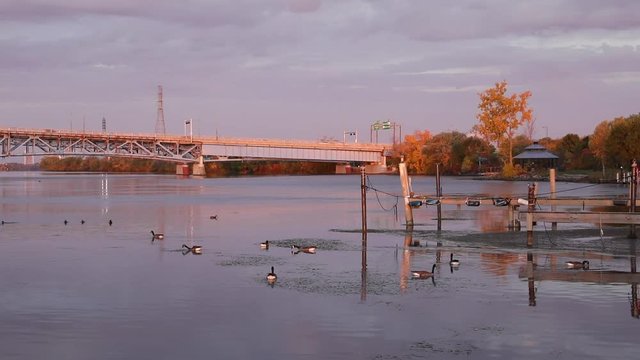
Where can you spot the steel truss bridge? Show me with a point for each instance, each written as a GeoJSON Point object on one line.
{"type": "Point", "coordinates": [182, 149]}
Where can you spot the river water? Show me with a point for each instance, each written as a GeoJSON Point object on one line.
{"type": "Point", "coordinates": [98, 291]}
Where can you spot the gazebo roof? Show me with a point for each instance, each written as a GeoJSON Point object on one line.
{"type": "Point", "coordinates": [535, 151]}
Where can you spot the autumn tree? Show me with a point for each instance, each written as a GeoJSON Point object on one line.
{"type": "Point", "coordinates": [439, 150]}
{"type": "Point", "coordinates": [622, 145]}
{"type": "Point", "coordinates": [597, 142]}
{"type": "Point", "coordinates": [411, 150]}
{"type": "Point", "coordinates": [501, 115]}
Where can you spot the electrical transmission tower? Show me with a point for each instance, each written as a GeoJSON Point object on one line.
{"type": "Point", "coordinates": [160, 129]}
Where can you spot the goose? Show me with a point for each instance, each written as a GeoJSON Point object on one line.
{"type": "Point", "coordinates": [157, 236]}
{"type": "Point", "coordinates": [453, 262]}
{"type": "Point", "coordinates": [578, 265]}
{"type": "Point", "coordinates": [196, 249]}
{"type": "Point", "coordinates": [264, 245]}
{"type": "Point", "coordinates": [272, 277]}
{"type": "Point", "coordinates": [422, 274]}
{"type": "Point", "coordinates": [307, 249]}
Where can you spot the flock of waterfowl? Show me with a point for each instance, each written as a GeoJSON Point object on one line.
{"type": "Point", "coordinates": [295, 249]}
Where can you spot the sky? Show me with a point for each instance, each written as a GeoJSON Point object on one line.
{"type": "Point", "coordinates": [313, 69]}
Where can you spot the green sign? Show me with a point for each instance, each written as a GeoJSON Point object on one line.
{"type": "Point", "coordinates": [381, 125]}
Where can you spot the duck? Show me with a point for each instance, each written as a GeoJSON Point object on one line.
{"type": "Point", "coordinates": [196, 249]}
{"type": "Point", "coordinates": [264, 245]}
{"type": "Point", "coordinates": [307, 249]}
{"type": "Point", "coordinates": [213, 217]}
{"type": "Point", "coordinates": [578, 265]}
{"type": "Point", "coordinates": [422, 274]}
{"type": "Point", "coordinates": [66, 222]}
{"type": "Point", "coordinates": [82, 222]}
{"type": "Point", "coordinates": [110, 222]}
{"type": "Point", "coordinates": [272, 277]}
{"type": "Point", "coordinates": [453, 262]}
{"type": "Point", "coordinates": [157, 236]}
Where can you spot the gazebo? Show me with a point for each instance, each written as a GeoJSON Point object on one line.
{"type": "Point", "coordinates": [536, 156]}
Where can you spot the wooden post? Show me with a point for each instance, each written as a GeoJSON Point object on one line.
{"type": "Point", "coordinates": [439, 194]}
{"type": "Point", "coordinates": [633, 184]}
{"type": "Point", "coordinates": [404, 181]}
{"type": "Point", "coordinates": [363, 195]}
{"type": "Point", "coordinates": [552, 185]}
{"type": "Point", "coordinates": [531, 199]}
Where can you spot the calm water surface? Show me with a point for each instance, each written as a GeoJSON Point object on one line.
{"type": "Point", "coordinates": [95, 291]}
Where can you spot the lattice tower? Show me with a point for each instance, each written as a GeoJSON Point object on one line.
{"type": "Point", "coordinates": [160, 129]}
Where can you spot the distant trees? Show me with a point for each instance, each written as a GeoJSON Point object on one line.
{"type": "Point", "coordinates": [623, 143]}
{"type": "Point", "coordinates": [501, 115]}
{"type": "Point", "coordinates": [455, 152]}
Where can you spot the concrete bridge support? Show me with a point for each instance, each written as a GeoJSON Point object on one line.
{"type": "Point", "coordinates": [198, 168]}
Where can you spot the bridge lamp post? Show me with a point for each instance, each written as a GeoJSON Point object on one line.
{"type": "Point", "coordinates": [189, 124]}
{"type": "Point", "coordinates": [349, 133]}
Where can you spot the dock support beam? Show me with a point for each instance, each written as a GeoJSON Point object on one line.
{"type": "Point", "coordinates": [552, 185]}
{"type": "Point", "coordinates": [531, 198]}
{"type": "Point", "coordinates": [633, 194]}
{"type": "Point", "coordinates": [404, 181]}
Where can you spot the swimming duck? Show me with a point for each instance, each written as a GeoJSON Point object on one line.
{"type": "Point", "coordinates": [454, 262]}
{"type": "Point", "coordinates": [82, 222]}
{"type": "Point", "coordinates": [422, 274]}
{"type": "Point", "coordinates": [272, 277]}
{"type": "Point", "coordinates": [157, 236]}
{"type": "Point", "coordinates": [264, 245]}
{"type": "Point", "coordinates": [213, 217]}
{"type": "Point", "coordinates": [196, 249]}
{"type": "Point", "coordinates": [110, 222]}
{"type": "Point", "coordinates": [307, 249]}
{"type": "Point", "coordinates": [578, 265]}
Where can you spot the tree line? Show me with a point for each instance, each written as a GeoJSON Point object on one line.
{"type": "Point", "coordinates": [133, 165]}
{"type": "Point", "coordinates": [495, 138]}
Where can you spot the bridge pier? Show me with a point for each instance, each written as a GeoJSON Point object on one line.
{"type": "Point", "coordinates": [198, 168]}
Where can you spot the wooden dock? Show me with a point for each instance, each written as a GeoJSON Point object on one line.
{"type": "Point", "coordinates": [583, 217]}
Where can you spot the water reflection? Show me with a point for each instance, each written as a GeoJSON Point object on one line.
{"type": "Point", "coordinates": [533, 272]}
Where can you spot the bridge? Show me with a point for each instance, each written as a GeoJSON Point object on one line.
{"type": "Point", "coordinates": [194, 150]}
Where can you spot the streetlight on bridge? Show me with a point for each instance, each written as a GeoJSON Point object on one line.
{"type": "Point", "coordinates": [349, 133]}
{"type": "Point", "coordinates": [188, 124]}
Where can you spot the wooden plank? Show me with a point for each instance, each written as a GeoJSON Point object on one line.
{"type": "Point", "coordinates": [583, 217]}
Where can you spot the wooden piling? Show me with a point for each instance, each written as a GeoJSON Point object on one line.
{"type": "Point", "coordinates": [363, 273]}
{"type": "Point", "coordinates": [439, 194]}
{"type": "Point", "coordinates": [633, 187]}
{"type": "Point", "coordinates": [531, 198]}
{"type": "Point", "coordinates": [552, 185]}
{"type": "Point", "coordinates": [404, 181]}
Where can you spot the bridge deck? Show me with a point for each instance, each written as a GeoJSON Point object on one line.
{"type": "Point", "coordinates": [181, 148]}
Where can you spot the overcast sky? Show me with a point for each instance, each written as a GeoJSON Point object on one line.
{"type": "Point", "coordinates": [307, 69]}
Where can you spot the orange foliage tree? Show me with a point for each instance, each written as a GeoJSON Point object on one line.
{"type": "Point", "coordinates": [412, 151]}
{"type": "Point", "coordinates": [500, 116]}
